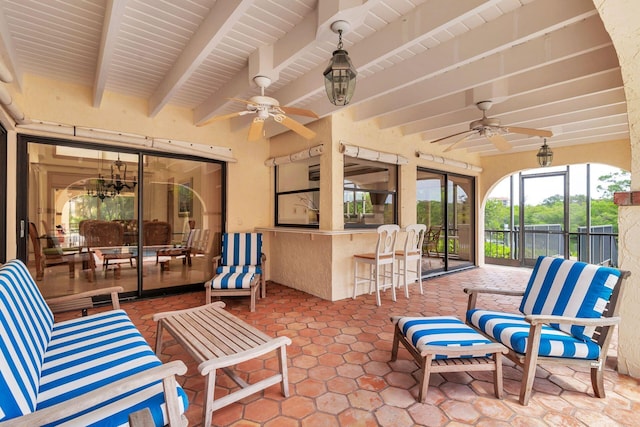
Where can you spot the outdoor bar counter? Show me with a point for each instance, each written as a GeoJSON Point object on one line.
{"type": "Point", "coordinates": [318, 262]}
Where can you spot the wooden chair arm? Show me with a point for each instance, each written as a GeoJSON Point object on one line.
{"type": "Point", "coordinates": [114, 291]}
{"type": "Point", "coordinates": [493, 291]}
{"type": "Point", "coordinates": [474, 292]}
{"type": "Point", "coordinates": [535, 319]}
{"type": "Point", "coordinates": [165, 372]}
{"type": "Point", "coordinates": [216, 261]}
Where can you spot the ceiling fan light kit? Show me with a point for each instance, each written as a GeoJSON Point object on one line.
{"type": "Point", "coordinates": [545, 155]}
{"type": "Point", "coordinates": [340, 74]}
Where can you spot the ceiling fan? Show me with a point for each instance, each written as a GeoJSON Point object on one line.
{"type": "Point", "coordinates": [491, 129]}
{"type": "Point", "coordinates": [265, 107]}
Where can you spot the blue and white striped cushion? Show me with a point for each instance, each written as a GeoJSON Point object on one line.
{"type": "Point", "coordinates": [569, 288]}
{"type": "Point", "coordinates": [446, 331]}
{"type": "Point", "coordinates": [513, 331]}
{"type": "Point", "coordinates": [239, 269]}
{"type": "Point", "coordinates": [232, 281]}
{"type": "Point", "coordinates": [89, 352]}
{"type": "Point", "coordinates": [25, 330]}
{"type": "Point", "coordinates": [241, 248]}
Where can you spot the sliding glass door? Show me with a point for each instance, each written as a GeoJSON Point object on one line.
{"type": "Point", "coordinates": [96, 217]}
{"type": "Point", "coordinates": [445, 205]}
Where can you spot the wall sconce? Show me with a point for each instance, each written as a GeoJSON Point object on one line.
{"type": "Point", "coordinates": [340, 75]}
{"type": "Point", "coordinates": [545, 155]}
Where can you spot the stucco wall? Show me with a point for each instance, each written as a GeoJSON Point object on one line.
{"type": "Point", "coordinates": [620, 18]}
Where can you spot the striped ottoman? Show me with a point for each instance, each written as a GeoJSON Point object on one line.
{"type": "Point", "coordinates": [446, 344]}
{"type": "Point", "coordinates": [232, 284]}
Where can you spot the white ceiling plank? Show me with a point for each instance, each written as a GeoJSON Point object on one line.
{"type": "Point", "coordinates": [525, 56]}
{"type": "Point", "coordinates": [541, 96]}
{"type": "Point", "coordinates": [216, 25]}
{"type": "Point", "coordinates": [407, 30]}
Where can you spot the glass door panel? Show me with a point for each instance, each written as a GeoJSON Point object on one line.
{"type": "Point", "coordinates": [544, 212]}
{"type": "Point", "coordinates": [460, 213]}
{"type": "Point", "coordinates": [182, 221]}
{"type": "Point", "coordinates": [68, 189]}
{"type": "Point", "coordinates": [430, 211]}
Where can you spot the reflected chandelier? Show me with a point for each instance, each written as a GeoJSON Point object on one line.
{"type": "Point", "coordinates": [119, 182]}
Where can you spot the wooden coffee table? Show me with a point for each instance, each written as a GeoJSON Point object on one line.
{"type": "Point", "coordinates": [216, 339]}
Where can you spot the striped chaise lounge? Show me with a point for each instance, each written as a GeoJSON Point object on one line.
{"type": "Point", "coordinates": [239, 268]}
{"type": "Point", "coordinates": [88, 371]}
{"type": "Point", "coordinates": [567, 315]}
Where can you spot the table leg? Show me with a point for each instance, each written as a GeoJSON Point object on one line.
{"type": "Point", "coordinates": [282, 361]}
{"type": "Point", "coordinates": [159, 338]}
{"type": "Point", "coordinates": [209, 390]}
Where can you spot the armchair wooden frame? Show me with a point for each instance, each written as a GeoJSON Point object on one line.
{"type": "Point", "coordinates": [604, 332]}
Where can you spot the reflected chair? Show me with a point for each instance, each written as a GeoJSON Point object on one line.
{"type": "Point", "coordinates": [239, 270]}
{"type": "Point", "coordinates": [412, 253]}
{"type": "Point", "coordinates": [381, 263]}
{"type": "Point", "coordinates": [198, 243]}
{"type": "Point", "coordinates": [567, 316]}
{"type": "Point", "coordinates": [50, 256]}
{"type": "Point", "coordinates": [431, 242]}
{"type": "Point", "coordinates": [103, 240]}
{"type": "Point", "coordinates": [157, 233]}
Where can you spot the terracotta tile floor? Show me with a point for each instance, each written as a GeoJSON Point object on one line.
{"type": "Point", "coordinates": [340, 374]}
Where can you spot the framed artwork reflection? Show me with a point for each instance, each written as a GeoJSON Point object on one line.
{"type": "Point", "coordinates": [185, 198]}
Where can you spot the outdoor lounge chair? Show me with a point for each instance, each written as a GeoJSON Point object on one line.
{"type": "Point", "coordinates": [567, 315]}
{"type": "Point", "coordinates": [239, 269]}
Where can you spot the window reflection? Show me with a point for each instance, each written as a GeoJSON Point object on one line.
{"type": "Point", "coordinates": [84, 206]}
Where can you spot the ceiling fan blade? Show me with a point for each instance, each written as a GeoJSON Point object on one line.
{"type": "Point", "coordinates": [298, 128]}
{"type": "Point", "coordinates": [244, 101]}
{"type": "Point", "coordinates": [449, 148]}
{"type": "Point", "coordinates": [224, 117]}
{"type": "Point", "coordinates": [499, 142]}
{"type": "Point", "coordinates": [255, 130]}
{"type": "Point", "coordinates": [451, 136]}
{"type": "Point", "coordinates": [528, 131]}
{"type": "Point", "coordinates": [299, 112]}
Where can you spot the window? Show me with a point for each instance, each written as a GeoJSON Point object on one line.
{"type": "Point", "coordinates": [370, 193]}
{"type": "Point", "coordinates": [298, 193]}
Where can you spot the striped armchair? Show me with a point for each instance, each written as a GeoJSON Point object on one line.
{"type": "Point", "coordinates": [239, 269]}
{"type": "Point", "coordinates": [92, 370]}
{"type": "Point", "coordinates": [567, 314]}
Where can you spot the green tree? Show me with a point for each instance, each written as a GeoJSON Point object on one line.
{"type": "Point", "coordinates": [615, 181]}
{"type": "Point", "coordinates": [496, 215]}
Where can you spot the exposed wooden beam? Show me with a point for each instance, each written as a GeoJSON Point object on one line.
{"type": "Point", "coordinates": [113, 16]}
{"type": "Point", "coordinates": [215, 26]}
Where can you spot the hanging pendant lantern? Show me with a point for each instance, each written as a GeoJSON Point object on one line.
{"type": "Point", "coordinates": [340, 74]}
{"type": "Point", "coordinates": [545, 155]}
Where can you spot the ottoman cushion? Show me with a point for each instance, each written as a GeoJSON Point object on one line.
{"type": "Point", "coordinates": [447, 331]}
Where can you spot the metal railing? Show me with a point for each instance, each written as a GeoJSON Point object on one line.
{"type": "Point", "coordinates": [598, 246]}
